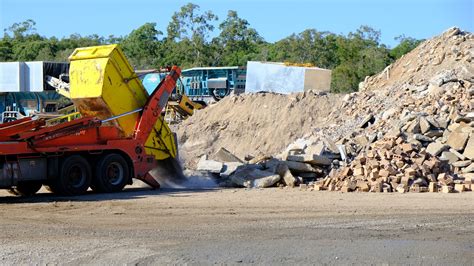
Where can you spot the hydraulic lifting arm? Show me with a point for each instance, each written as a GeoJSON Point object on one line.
{"type": "Point", "coordinates": [151, 129]}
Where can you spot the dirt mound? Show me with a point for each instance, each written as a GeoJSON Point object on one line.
{"type": "Point", "coordinates": [256, 124]}
{"type": "Point", "coordinates": [452, 51]}
{"type": "Point", "coordinates": [418, 84]}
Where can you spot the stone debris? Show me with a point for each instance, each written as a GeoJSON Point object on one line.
{"type": "Point", "coordinates": [410, 133]}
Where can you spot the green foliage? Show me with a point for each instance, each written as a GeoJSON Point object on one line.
{"type": "Point", "coordinates": [187, 43]}
{"type": "Point", "coordinates": [237, 41]}
{"type": "Point", "coordinates": [142, 45]}
{"type": "Point", "coordinates": [360, 55]}
{"type": "Point", "coordinates": [406, 45]}
{"type": "Point", "coordinates": [188, 32]}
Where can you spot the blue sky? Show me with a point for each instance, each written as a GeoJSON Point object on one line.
{"type": "Point", "coordinates": [273, 19]}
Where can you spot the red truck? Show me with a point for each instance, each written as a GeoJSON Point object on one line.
{"type": "Point", "coordinates": [71, 157]}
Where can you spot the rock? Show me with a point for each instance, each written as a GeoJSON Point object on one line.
{"type": "Point", "coordinates": [393, 133]}
{"type": "Point", "coordinates": [310, 158]}
{"type": "Point", "coordinates": [389, 113]}
{"type": "Point", "coordinates": [342, 152]}
{"type": "Point", "coordinates": [361, 140]}
{"type": "Point", "coordinates": [443, 77]}
{"type": "Point", "coordinates": [435, 90]}
{"type": "Point", "coordinates": [433, 122]}
{"type": "Point", "coordinates": [422, 138]}
{"type": "Point", "coordinates": [209, 165]}
{"type": "Point", "coordinates": [317, 149]}
{"type": "Point", "coordinates": [284, 172]}
{"type": "Point", "coordinates": [461, 163]}
{"type": "Point", "coordinates": [307, 175]}
{"type": "Point", "coordinates": [330, 145]}
{"type": "Point", "coordinates": [434, 133]}
{"type": "Point", "coordinates": [272, 165]}
{"type": "Point", "coordinates": [254, 178]}
{"type": "Point", "coordinates": [369, 119]}
{"type": "Point", "coordinates": [229, 168]}
{"type": "Point", "coordinates": [466, 119]}
{"type": "Point", "coordinates": [435, 148]}
{"type": "Point", "coordinates": [424, 125]}
{"type": "Point", "coordinates": [469, 149]}
{"type": "Point", "coordinates": [414, 127]}
{"type": "Point", "coordinates": [457, 140]}
{"type": "Point", "coordinates": [469, 169]}
{"type": "Point", "coordinates": [263, 182]}
{"type": "Point", "coordinates": [459, 187]}
{"type": "Point", "coordinates": [299, 166]}
{"type": "Point", "coordinates": [223, 155]}
{"type": "Point", "coordinates": [449, 156]}
{"type": "Point", "coordinates": [459, 155]}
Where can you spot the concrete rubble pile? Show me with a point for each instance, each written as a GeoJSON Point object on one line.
{"type": "Point", "coordinates": [407, 130]}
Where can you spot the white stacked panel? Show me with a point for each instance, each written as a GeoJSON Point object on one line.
{"type": "Point", "coordinates": [34, 76]}
{"type": "Point", "coordinates": [274, 77]}
{"type": "Point", "coordinates": [12, 76]}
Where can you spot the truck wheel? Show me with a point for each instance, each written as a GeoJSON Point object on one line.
{"type": "Point", "coordinates": [111, 174]}
{"type": "Point", "coordinates": [75, 176]}
{"type": "Point", "coordinates": [27, 188]}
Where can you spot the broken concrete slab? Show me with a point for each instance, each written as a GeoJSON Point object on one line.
{"type": "Point", "coordinates": [206, 165]}
{"type": "Point", "coordinates": [435, 148]}
{"type": "Point", "coordinates": [285, 174]}
{"type": "Point", "coordinates": [469, 149]}
{"type": "Point", "coordinates": [423, 138]}
{"type": "Point", "coordinates": [310, 158]}
{"type": "Point", "coordinates": [451, 157]}
{"type": "Point", "coordinates": [425, 126]}
{"type": "Point", "coordinates": [414, 127]}
{"type": "Point", "coordinates": [469, 169]}
{"type": "Point", "coordinates": [317, 148]}
{"type": "Point", "coordinates": [263, 182]}
{"type": "Point", "coordinates": [299, 166]}
{"type": "Point", "coordinates": [457, 140]}
{"type": "Point", "coordinates": [459, 155]}
{"type": "Point", "coordinates": [254, 178]}
{"type": "Point", "coordinates": [223, 155]}
{"type": "Point", "coordinates": [229, 168]}
{"type": "Point", "coordinates": [461, 164]}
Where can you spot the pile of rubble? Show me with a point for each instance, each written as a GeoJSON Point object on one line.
{"type": "Point", "coordinates": [415, 133]}
{"type": "Point", "coordinates": [263, 172]}
{"type": "Point", "coordinates": [392, 165]}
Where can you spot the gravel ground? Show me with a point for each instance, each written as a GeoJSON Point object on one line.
{"type": "Point", "coordinates": [270, 226]}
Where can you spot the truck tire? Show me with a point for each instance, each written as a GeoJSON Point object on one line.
{"type": "Point", "coordinates": [74, 176]}
{"type": "Point", "coordinates": [111, 174]}
{"type": "Point", "coordinates": [26, 188]}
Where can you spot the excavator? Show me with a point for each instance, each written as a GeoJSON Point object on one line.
{"type": "Point", "coordinates": [119, 135]}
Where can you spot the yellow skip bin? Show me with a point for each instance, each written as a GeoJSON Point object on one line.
{"type": "Point", "coordinates": [103, 84]}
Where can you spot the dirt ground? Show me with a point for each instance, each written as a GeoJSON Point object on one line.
{"type": "Point", "coordinates": [232, 226]}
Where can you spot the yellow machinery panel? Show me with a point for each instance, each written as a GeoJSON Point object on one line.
{"type": "Point", "coordinates": [103, 84]}
{"type": "Point", "coordinates": [161, 142]}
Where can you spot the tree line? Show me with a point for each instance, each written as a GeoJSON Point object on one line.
{"type": "Point", "coordinates": [188, 43]}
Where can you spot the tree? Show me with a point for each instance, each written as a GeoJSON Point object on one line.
{"type": "Point", "coordinates": [406, 44]}
{"type": "Point", "coordinates": [360, 54]}
{"type": "Point", "coordinates": [21, 29]}
{"type": "Point", "coordinates": [351, 57]}
{"type": "Point", "coordinates": [190, 29]}
{"type": "Point", "coordinates": [142, 46]}
{"type": "Point", "coordinates": [237, 42]}
{"type": "Point", "coordinates": [6, 49]}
